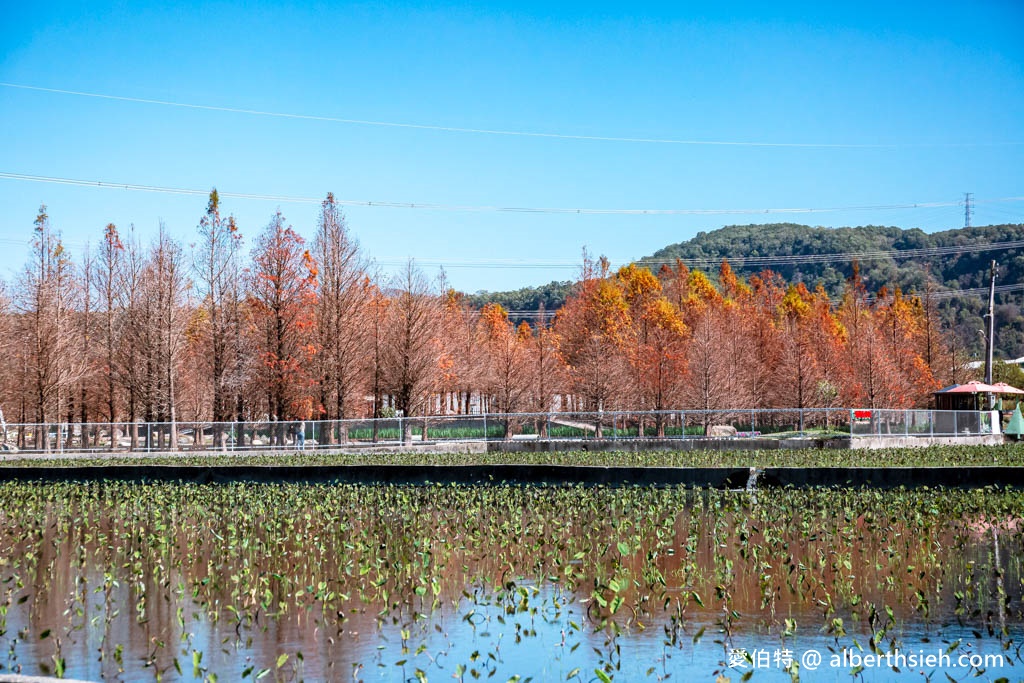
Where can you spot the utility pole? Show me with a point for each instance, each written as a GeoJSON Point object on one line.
{"type": "Point", "coordinates": [991, 323]}
{"type": "Point", "coordinates": [967, 209]}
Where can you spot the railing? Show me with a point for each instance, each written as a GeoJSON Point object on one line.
{"type": "Point", "coordinates": [438, 429]}
{"type": "Point", "coordinates": [946, 423]}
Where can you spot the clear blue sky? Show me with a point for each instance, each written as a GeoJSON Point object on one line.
{"type": "Point", "coordinates": [930, 95]}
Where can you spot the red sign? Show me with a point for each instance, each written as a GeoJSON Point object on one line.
{"type": "Point", "coordinates": [862, 414]}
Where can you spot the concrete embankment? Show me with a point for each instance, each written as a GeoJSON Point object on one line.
{"type": "Point", "coordinates": [739, 444]}
{"type": "Point", "coordinates": [640, 445]}
{"type": "Point", "coordinates": [542, 475]}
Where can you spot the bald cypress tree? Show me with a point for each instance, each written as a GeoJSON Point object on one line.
{"type": "Point", "coordinates": [215, 264]}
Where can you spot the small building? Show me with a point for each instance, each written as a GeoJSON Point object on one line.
{"type": "Point", "coordinates": [977, 398]}
{"type": "Point", "coordinates": [963, 396]}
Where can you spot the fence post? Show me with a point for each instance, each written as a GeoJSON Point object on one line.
{"type": "Point", "coordinates": [485, 427]}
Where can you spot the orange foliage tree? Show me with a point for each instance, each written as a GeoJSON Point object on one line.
{"type": "Point", "coordinates": [218, 333]}
{"type": "Point", "coordinates": [546, 371]}
{"type": "Point", "coordinates": [281, 301]}
{"type": "Point", "coordinates": [798, 373]}
{"type": "Point", "coordinates": [412, 345]}
{"type": "Point", "coordinates": [593, 326]}
{"type": "Point", "coordinates": [881, 366]}
{"type": "Point", "coordinates": [709, 385]}
{"type": "Point", "coordinates": [462, 359]}
{"type": "Point", "coordinates": [656, 345]}
{"type": "Point", "coordinates": [341, 311]}
{"type": "Point", "coordinates": [315, 334]}
{"type": "Point", "coordinates": [506, 381]}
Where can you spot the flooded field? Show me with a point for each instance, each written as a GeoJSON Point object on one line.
{"type": "Point", "coordinates": [342, 582]}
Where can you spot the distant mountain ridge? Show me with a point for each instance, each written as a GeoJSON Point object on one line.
{"type": "Point", "coordinates": [744, 245]}
{"type": "Point", "coordinates": [953, 271]}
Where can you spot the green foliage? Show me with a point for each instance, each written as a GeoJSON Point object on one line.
{"type": "Point", "coordinates": [1010, 454]}
{"type": "Point", "coordinates": [1011, 373]}
{"type": "Point", "coordinates": [551, 295]}
{"type": "Point", "coordinates": [417, 582]}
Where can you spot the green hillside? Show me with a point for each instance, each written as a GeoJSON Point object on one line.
{"type": "Point", "coordinates": [954, 271]}
{"type": "Point", "coordinates": [551, 296]}
{"type": "Point", "coordinates": [901, 267]}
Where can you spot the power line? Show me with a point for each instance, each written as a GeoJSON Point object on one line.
{"type": "Point", "coordinates": [489, 131]}
{"type": "Point", "coordinates": [511, 264]}
{"type": "Point", "coordinates": [740, 262]}
{"type": "Point", "coordinates": [799, 259]}
{"type": "Point", "coordinates": [484, 209]}
{"type": "Point", "coordinates": [871, 298]}
{"type": "Point", "coordinates": [971, 291]}
{"type": "Point", "coordinates": [782, 259]}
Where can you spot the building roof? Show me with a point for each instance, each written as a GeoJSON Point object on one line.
{"type": "Point", "coordinates": [969, 388]}
{"type": "Point", "coordinates": [977, 364]}
{"type": "Point", "coordinates": [980, 388]}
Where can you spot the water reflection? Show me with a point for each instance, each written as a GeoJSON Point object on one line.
{"type": "Point", "coordinates": [187, 582]}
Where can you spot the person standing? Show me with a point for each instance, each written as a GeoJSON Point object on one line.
{"type": "Point", "coordinates": [300, 436]}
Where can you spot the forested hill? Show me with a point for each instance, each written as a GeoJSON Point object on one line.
{"type": "Point", "coordinates": [739, 243]}
{"type": "Point", "coordinates": [745, 245]}
{"type": "Point", "coordinates": [528, 299]}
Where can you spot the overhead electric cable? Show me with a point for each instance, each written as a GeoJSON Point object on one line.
{"type": "Point", "coordinates": [871, 298]}
{"type": "Point", "coordinates": [800, 259]}
{"type": "Point", "coordinates": [489, 131]}
{"type": "Point", "coordinates": [739, 262]}
{"type": "Point", "coordinates": [973, 291]}
{"type": "Point", "coordinates": [500, 209]}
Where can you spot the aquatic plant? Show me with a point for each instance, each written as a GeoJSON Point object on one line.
{"type": "Point", "coordinates": [1011, 455]}
{"type": "Point", "coordinates": [288, 581]}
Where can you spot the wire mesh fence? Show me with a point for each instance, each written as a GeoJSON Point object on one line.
{"type": "Point", "coordinates": [556, 426]}
{"type": "Point", "coordinates": [945, 423]}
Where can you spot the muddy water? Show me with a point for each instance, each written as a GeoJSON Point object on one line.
{"type": "Point", "coordinates": [239, 582]}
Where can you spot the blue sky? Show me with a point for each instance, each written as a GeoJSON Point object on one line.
{"type": "Point", "coordinates": [928, 96]}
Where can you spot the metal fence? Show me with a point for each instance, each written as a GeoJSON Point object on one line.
{"type": "Point", "coordinates": [556, 426]}
{"type": "Point", "coordinates": [946, 423]}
